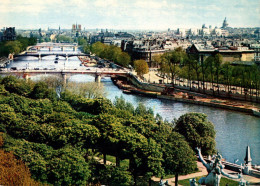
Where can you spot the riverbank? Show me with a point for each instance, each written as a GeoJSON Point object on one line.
{"type": "Point", "coordinates": [3, 62]}
{"type": "Point", "coordinates": [162, 92]}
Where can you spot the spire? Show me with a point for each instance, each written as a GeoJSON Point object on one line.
{"type": "Point", "coordinates": [248, 158]}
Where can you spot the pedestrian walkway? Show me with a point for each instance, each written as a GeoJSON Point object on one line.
{"type": "Point", "coordinates": [203, 172]}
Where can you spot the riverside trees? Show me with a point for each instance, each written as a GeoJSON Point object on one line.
{"type": "Point", "coordinates": [112, 53]}
{"type": "Point", "coordinates": [17, 46]}
{"type": "Point", "coordinates": [57, 137]}
{"type": "Point", "coordinates": [176, 64]}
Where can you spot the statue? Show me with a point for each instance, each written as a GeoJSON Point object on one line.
{"type": "Point", "coordinates": [193, 182]}
{"type": "Point", "coordinates": [215, 169]}
{"type": "Point", "coordinates": [162, 183]}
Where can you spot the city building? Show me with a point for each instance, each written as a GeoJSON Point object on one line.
{"type": "Point", "coordinates": [9, 34]}
{"type": "Point", "coordinates": [76, 30]}
{"type": "Point", "coordinates": [225, 24]}
{"type": "Point", "coordinates": [230, 54]}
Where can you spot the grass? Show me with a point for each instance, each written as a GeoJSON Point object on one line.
{"type": "Point", "coordinates": [123, 163]}
{"type": "Point", "coordinates": [223, 182]}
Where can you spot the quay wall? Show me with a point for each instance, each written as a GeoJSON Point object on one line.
{"type": "Point", "coordinates": [158, 89]}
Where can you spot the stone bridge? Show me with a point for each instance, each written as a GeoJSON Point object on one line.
{"type": "Point", "coordinates": [97, 72]}
{"type": "Point", "coordinates": [41, 55]}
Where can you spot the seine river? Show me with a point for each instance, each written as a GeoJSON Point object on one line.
{"type": "Point", "coordinates": [235, 130]}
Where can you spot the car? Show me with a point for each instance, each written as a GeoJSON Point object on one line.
{"type": "Point", "coordinates": [45, 69]}
{"type": "Point", "coordinates": [36, 69]}
{"type": "Point", "coordinates": [88, 69]}
{"type": "Point", "coordinates": [75, 69]}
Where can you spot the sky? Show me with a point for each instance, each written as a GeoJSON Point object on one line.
{"type": "Point", "coordinates": [128, 14]}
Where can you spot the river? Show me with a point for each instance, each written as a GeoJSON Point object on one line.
{"type": "Point", "coordinates": [235, 130]}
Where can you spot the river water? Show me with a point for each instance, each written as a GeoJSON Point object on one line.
{"type": "Point", "coordinates": [235, 130]}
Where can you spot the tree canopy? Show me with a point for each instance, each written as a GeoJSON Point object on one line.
{"type": "Point", "coordinates": [59, 137]}
{"type": "Point", "coordinates": [198, 131]}
{"type": "Point", "coordinates": [141, 67]}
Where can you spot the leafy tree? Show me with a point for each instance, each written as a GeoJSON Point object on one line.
{"type": "Point", "coordinates": [14, 46]}
{"type": "Point", "coordinates": [14, 171]}
{"type": "Point", "coordinates": [171, 62]}
{"type": "Point", "coordinates": [217, 62]}
{"type": "Point", "coordinates": [123, 59]}
{"type": "Point", "coordinates": [141, 67]}
{"type": "Point", "coordinates": [18, 86]}
{"type": "Point", "coordinates": [98, 48]}
{"type": "Point", "coordinates": [63, 38]}
{"type": "Point", "coordinates": [198, 131]}
{"type": "Point", "coordinates": [82, 41]}
{"type": "Point", "coordinates": [178, 156]}
{"type": "Point", "coordinates": [88, 90]}
{"type": "Point", "coordinates": [41, 91]}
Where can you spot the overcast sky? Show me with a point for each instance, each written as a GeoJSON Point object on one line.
{"type": "Point", "coordinates": [128, 14]}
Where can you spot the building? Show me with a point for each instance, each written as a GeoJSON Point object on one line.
{"type": "Point", "coordinates": [9, 34]}
{"type": "Point", "coordinates": [76, 30]}
{"type": "Point", "coordinates": [230, 54]}
{"type": "Point", "coordinates": [256, 48]}
{"type": "Point", "coordinates": [225, 24]}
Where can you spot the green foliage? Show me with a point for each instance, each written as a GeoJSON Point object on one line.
{"type": "Point", "coordinates": [18, 86]}
{"type": "Point", "coordinates": [54, 136]}
{"type": "Point", "coordinates": [64, 39]}
{"type": "Point", "coordinates": [65, 166]}
{"type": "Point", "coordinates": [17, 46]}
{"type": "Point", "coordinates": [178, 155]}
{"type": "Point", "coordinates": [111, 53]}
{"type": "Point", "coordinates": [82, 41]}
{"type": "Point", "coordinates": [198, 131]}
{"type": "Point", "coordinates": [141, 67]}
{"type": "Point", "coordinates": [41, 91]}
{"type": "Point", "coordinates": [93, 106]}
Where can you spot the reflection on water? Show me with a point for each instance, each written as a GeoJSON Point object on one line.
{"type": "Point", "coordinates": [235, 130]}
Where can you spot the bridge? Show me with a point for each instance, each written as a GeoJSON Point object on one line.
{"type": "Point", "coordinates": [41, 55]}
{"type": "Point", "coordinates": [65, 73]}
{"type": "Point", "coordinates": [50, 46]}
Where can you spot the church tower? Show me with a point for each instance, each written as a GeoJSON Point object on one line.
{"type": "Point", "coordinates": [225, 24]}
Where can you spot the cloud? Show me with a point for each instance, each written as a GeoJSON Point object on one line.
{"type": "Point", "coordinates": [129, 13]}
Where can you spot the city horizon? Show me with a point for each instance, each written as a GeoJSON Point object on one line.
{"type": "Point", "coordinates": [126, 15]}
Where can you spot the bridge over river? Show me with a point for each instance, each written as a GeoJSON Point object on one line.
{"type": "Point", "coordinates": [97, 72]}
{"type": "Point", "coordinates": [41, 55]}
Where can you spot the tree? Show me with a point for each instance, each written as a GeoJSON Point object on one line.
{"type": "Point", "coordinates": [14, 171]}
{"type": "Point", "coordinates": [178, 156]}
{"type": "Point", "coordinates": [124, 59]}
{"type": "Point", "coordinates": [41, 91]}
{"type": "Point", "coordinates": [18, 86]}
{"type": "Point", "coordinates": [87, 90]}
{"type": "Point", "coordinates": [14, 46]}
{"type": "Point", "coordinates": [141, 67]}
{"type": "Point", "coordinates": [198, 131]}
{"type": "Point", "coordinates": [217, 62]}
{"type": "Point", "coordinates": [98, 48]}
{"type": "Point", "coordinates": [82, 41]}
{"type": "Point", "coordinates": [172, 61]}
{"type": "Point", "coordinates": [210, 69]}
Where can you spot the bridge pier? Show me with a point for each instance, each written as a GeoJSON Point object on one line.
{"type": "Point", "coordinates": [64, 76]}
{"type": "Point", "coordinates": [62, 48]}
{"type": "Point", "coordinates": [98, 78]}
{"type": "Point", "coordinates": [75, 48]}
{"type": "Point", "coordinates": [40, 56]}
{"type": "Point", "coordinates": [26, 77]}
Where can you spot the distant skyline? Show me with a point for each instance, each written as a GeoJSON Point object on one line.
{"type": "Point", "coordinates": [128, 14]}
